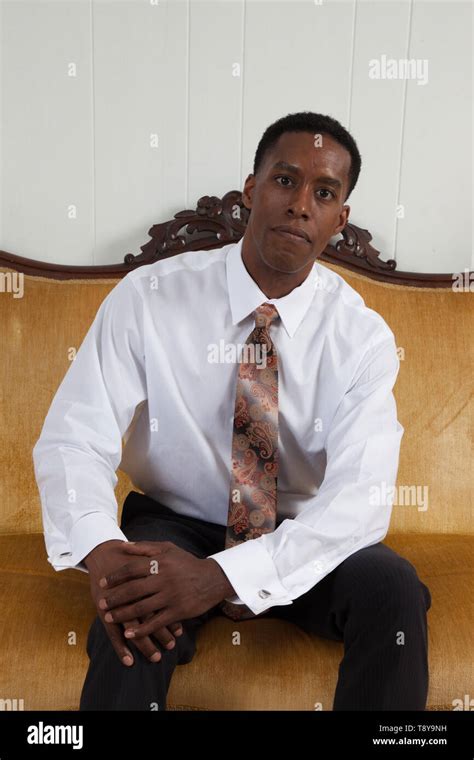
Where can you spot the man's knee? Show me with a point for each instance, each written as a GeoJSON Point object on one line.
{"type": "Point", "coordinates": [378, 574]}
{"type": "Point", "coordinates": [99, 643]}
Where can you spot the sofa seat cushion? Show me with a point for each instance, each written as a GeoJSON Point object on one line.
{"type": "Point", "coordinates": [46, 617]}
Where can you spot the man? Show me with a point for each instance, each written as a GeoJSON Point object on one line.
{"type": "Point", "coordinates": [261, 468]}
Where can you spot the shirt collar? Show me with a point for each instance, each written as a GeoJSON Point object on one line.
{"type": "Point", "coordinates": [245, 295]}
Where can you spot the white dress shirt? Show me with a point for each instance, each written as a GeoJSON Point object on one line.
{"type": "Point", "coordinates": [147, 372]}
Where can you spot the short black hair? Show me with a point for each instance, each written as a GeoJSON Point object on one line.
{"type": "Point", "coordinates": [316, 123]}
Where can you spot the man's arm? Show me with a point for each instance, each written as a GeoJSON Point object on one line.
{"type": "Point", "coordinates": [79, 451]}
{"type": "Point", "coordinates": [362, 448]}
{"type": "Point", "coordinates": [80, 446]}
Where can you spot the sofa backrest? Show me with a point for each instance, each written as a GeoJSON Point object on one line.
{"type": "Point", "coordinates": [433, 331]}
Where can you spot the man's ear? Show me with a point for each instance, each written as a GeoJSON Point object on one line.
{"type": "Point", "coordinates": [247, 192]}
{"type": "Point", "coordinates": [343, 219]}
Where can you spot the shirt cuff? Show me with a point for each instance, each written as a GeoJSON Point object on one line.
{"type": "Point", "coordinates": [251, 572]}
{"type": "Point", "coordinates": [87, 533]}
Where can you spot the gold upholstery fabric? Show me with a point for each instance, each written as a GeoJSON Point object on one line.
{"type": "Point", "coordinates": [276, 665]}
{"type": "Point", "coordinates": [42, 609]}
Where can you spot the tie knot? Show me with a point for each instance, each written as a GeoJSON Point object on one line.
{"type": "Point", "coordinates": [265, 314]}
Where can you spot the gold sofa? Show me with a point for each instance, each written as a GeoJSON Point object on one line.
{"type": "Point", "coordinates": [46, 614]}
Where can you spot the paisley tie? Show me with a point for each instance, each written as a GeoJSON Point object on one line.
{"type": "Point", "coordinates": [253, 489]}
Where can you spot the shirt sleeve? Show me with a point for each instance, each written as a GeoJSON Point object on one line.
{"type": "Point", "coordinates": [352, 508]}
{"type": "Point", "coordinates": [80, 445]}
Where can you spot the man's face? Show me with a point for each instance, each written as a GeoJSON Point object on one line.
{"type": "Point", "coordinates": [299, 184]}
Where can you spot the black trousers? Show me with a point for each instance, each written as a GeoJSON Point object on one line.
{"type": "Point", "coordinates": [373, 601]}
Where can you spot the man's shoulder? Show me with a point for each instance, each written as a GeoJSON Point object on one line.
{"type": "Point", "coordinates": [187, 261]}
{"type": "Point", "coordinates": [349, 306]}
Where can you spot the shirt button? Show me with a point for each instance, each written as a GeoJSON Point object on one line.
{"type": "Point", "coordinates": [263, 593]}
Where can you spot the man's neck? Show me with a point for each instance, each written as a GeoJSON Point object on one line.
{"type": "Point", "coordinates": [271, 282]}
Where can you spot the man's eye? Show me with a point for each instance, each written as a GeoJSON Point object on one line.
{"type": "Point", "coordinates": [325, 190]}
{"type": "Point", "coordinates": [322, 189]}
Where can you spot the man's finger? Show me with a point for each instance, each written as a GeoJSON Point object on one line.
{"type": "Point", "coordinates": [147, 547]}
{"type": "Point", "coordinates": [161, 619]}
{"type": "Point", "coordinates": [138, 607]}
{"type": "Point", "coordinates": [115, 633]}
{"type": "Point", "coordinates": [175, 628]}
{"type": "Point", "coordinates": [164, 636]}
{"type": "Point", "coordinates": [146, 645]}
{"type": "Point", "coordinates": [129, 571]}
{"type": "Point", "coordinates": [136, 569]}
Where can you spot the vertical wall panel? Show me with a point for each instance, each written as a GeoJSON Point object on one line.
{"type": "Point", "coordinates": [295, 53]}
{"type": "Point", "coordinates": [47, 131]}
{"type": "Point", "coordinates": [377, 108]}
{"type": "Point", "coordinates": [2, 122]}
{"type": "Point", "coordinates": [140, 53]}
{"type": "Point", "coordinates": [216, 75]}
{"type": "Point", "coordinates": [437, 168]}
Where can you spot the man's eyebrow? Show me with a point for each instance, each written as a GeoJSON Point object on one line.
{"type": "Point", "coordinates": [295, 169]}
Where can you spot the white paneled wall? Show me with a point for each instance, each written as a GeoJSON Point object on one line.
{"type": "Point", "coordinates": [47, 172]}
{"type": "Point", "coordinates": [436, 172]}
{"type": "Point", "coordinates": [115, 114]}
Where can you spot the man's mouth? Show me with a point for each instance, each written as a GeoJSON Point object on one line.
{"type": "Point", "coordinates": [296, 235]}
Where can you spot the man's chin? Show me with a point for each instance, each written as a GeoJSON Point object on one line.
{"type": "Point", "coordinates": [285, 262]}
{"type": "Point", "coordinates": [276, 256]}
